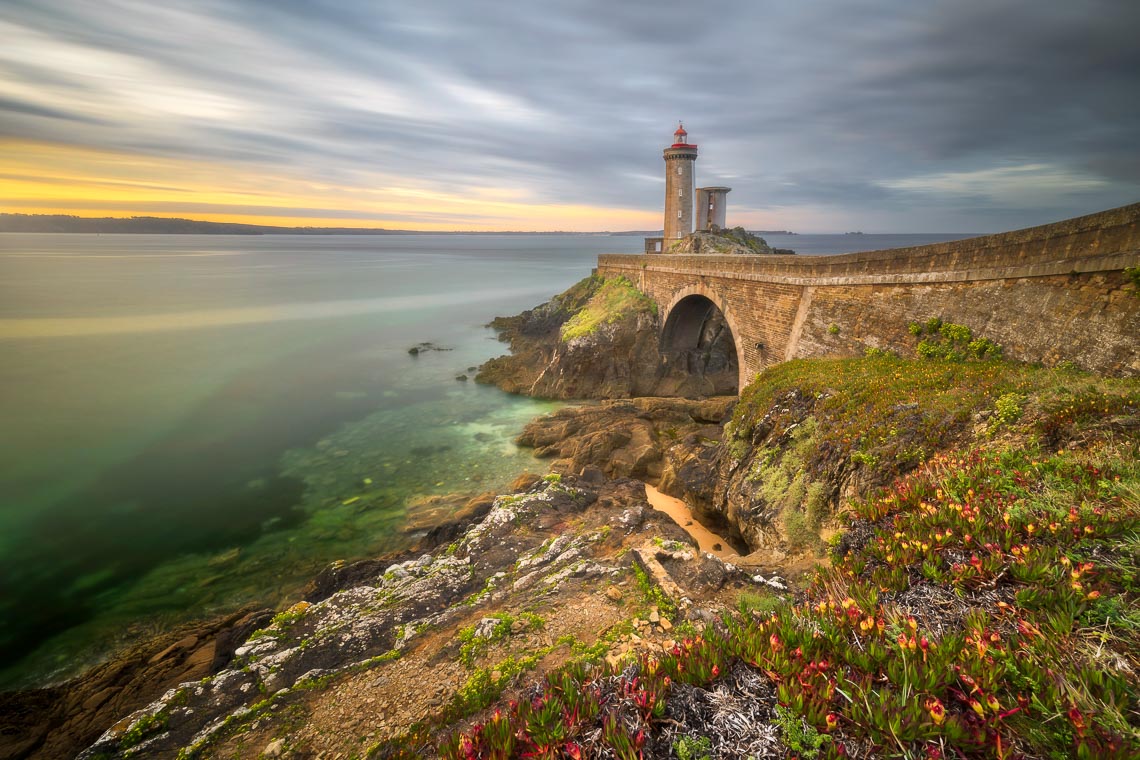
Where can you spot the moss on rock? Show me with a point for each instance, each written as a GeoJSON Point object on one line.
{"type": "Point", "coordinates": [614, 299]}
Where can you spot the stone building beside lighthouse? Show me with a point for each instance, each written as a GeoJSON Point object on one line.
{"type": "Point", "coordinates": [709, 208]}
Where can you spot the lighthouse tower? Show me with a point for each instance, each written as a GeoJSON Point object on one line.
{"type": "Point", "coordinates": [680, 158]}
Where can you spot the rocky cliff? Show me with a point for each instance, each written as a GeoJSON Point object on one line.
{"type": "Point", "coordinates": [599, 340]}
{"type": "Point", "coordinates": [810, 438]}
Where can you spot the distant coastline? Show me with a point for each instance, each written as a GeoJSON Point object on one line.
{"type": "Point", "coordinates": [155, 225]}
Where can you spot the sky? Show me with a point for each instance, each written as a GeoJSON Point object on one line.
{"type": "Point", "coordinates": [823, 116]}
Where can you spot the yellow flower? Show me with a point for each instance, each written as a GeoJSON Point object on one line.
{"type": "Point", "coordinates": [937, 710]}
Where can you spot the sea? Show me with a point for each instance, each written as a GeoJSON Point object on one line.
{"type": "Point", "coordinates": [193, 423]}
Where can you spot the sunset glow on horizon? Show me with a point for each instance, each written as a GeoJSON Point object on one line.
{"type": "Point", "coordinates": [41, 178]}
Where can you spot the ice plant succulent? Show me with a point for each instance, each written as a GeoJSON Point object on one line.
{"type": "Point", "coordinates": [1008, 673]}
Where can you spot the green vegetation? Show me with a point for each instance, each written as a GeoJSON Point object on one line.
{"type": "Point", "coordinates": [1007, 409]}
{"type": "Point", "coordinates": [292, 615]}
{"type": "Point", "coordinates": [797, 735]}
{"type": "Point", "coordinates": [946, 340]}
{"type": "Point", "coordinates": [282, 621]}
{"type": "Point", "coordinates": [144, 727]}
{"type": "Point", "coordinates": [782, 480]}
{"type": "Point", "coordinates": [473, 645]}
{"type": "Point", "coordinates": [987, 604]}
{"type": "Point", "coordinates": [614, 299]}
{"type": "Point", "coordinates": [652, 593]}
{"type": "Point", "coordinates": [961, 627]}
{"type": "Point", "coordinates": [485, 685]}
{"type": "Point", "coordinates": [1133, 274]}
{"type": "Point", "coordinates": [759, 605]}
{"type": "Point", "coordinates": [891, 414]}
{"type": "Point", "coordinates": [693, 748]}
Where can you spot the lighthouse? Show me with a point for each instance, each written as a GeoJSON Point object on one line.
{"type": "Point", "coordinates": [680, 158]}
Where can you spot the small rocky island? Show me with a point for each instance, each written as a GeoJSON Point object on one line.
{"type": "Point", "coordinates": [918, 554]}
{"type": "Point", "coordinates": [726, 242]}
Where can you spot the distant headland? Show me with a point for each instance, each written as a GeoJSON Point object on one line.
{"type": "Point", "coordinates": [157, 225]}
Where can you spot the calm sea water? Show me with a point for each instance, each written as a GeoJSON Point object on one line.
{"type": "Point", "coordinates": [815, 245]}
{"type": "Point", "coordinates": [192, 423]}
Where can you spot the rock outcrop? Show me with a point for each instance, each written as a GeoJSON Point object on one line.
{"type": "Point", "coordinates": [732, 242]}
{"type": "Point", "coordinates": [568, 542]}
{"type": "Point", "coordinates": [59, 721]}
{"type": "Point", "coordinates": [600, 340]}
{"type": "Point", "coordinates": [627, 438]}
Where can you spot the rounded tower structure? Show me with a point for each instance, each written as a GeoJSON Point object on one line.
{"type": "Point", "coordinates": [712, 205]}
{"type": "Point", "coordinates": [680, 158]}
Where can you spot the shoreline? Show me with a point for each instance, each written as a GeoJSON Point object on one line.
{"type": "Point", "coordinates": [140, 671]}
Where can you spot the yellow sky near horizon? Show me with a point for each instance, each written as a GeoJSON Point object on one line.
{"type": "Point", "coordinates": [46, 178]}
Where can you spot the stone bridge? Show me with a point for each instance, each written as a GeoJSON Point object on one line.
{"type": "Point", "coordinates": [1059, 292]}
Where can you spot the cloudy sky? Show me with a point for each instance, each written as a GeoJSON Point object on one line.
{"type": "Point", "coordinates": [829, 115]}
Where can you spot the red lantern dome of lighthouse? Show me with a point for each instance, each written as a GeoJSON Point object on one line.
{"type": "Point", "coordinates": [681, 137]}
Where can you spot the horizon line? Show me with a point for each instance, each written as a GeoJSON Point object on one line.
{"type": "Point", "coordinates": [270, 229]}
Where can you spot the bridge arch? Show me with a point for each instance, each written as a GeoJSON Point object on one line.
{"type": "Point", "coordinates": [693, 320]}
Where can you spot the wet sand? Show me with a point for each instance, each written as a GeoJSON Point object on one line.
{"type": "Point", "coordinates": [680, 512]}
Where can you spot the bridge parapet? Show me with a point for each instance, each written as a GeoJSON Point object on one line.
{"type": "Point", "coordinates": [1049, 293]}
{"type": "Point", "coordinates": [1097, 242]}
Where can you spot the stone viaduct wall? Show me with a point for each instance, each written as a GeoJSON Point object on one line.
{"type": "Point", "coordinates": [1048, 294]}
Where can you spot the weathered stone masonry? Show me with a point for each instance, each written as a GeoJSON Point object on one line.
{"type": "Point", "coordinates": [1047, 294]}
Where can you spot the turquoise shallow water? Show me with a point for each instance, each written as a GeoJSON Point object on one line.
{"type": "Point", "coordinates": [191, 423]}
